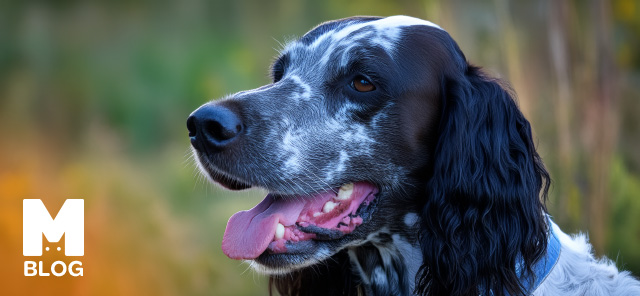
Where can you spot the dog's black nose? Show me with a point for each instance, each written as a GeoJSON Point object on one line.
{"type": "Point", "coordinates": [213, 126]}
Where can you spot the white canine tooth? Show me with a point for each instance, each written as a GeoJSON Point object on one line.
{"type": "Point", "coordinates": [345, 191]}
{"type": "Point", "coordinates": [328, 207]}
{"type": "Point", "coordinates": [279, 231]}
{"type": "Point", "coordinates": [316, 214]}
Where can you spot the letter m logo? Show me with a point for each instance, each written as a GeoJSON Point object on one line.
{"type": "Point", "coordinates": [36, 221]}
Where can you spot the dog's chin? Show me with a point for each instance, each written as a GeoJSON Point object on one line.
{"type": "Point", "coordinates": [228, 182]}
{"type": "Point", "coordinates": [300, 255]}
{"type": "Point", "coordinates": [284, 263]}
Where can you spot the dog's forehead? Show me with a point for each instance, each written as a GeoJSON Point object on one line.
{"type": "Point", "coordinates": [380, 31]}
{"type": "Point", "coordinates": [388, 24]}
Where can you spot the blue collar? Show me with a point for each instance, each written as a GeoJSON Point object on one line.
{"type": "Point", "coordinates": [543, 267]}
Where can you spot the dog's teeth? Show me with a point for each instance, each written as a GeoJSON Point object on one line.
{"type": "Point", "coordinates": [328, 207]}
{"type": "Point", "coordinates": [345, 191]}
{"type": "Point", "coordinates": [279, 231]}
{"type": "Point", "coordinates": [316, 214]}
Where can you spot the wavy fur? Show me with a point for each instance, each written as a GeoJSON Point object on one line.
{"type": "Point", "coordinates": [483, 209]}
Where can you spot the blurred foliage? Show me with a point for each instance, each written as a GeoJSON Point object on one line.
{"type": "Point", "coordinates": [94, 96]}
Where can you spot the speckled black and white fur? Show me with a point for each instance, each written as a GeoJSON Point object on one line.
{"type": "Point", "coordinates": [462, 188]}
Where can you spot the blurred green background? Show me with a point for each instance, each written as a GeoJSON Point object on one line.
{"type": "Point", "coordinates": [94, 97]}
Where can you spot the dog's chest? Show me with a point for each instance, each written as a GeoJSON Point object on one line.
{"type": "Point", "coordinates": [387, 263]}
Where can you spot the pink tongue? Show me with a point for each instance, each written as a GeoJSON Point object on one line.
{"type": "Point", "coordinates": [249, 233]}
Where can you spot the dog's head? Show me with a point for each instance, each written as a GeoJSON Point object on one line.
{"type": "Point", "coordinates": [376, 124]}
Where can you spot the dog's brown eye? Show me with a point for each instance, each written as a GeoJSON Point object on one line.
{"type": "Point", "coordinates": [362, 84]}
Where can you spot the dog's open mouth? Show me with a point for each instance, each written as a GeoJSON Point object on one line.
{"type": "Point", "coordinates": [280, 224]}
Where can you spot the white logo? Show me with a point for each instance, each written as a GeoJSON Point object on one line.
{"type": "Point", "coordinates": [37, 221]}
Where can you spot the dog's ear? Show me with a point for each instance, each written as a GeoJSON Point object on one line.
{"type": "Point", "coordinates": [483, 223]}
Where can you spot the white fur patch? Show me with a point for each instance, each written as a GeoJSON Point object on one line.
{"type": "Point", "coordinates": [578, 272]}
{"type": "Point", "coordinates": [401, 21]}
{"type": "Point", "coordinates": [289, 145]}
{"type": "Point", "coordinates": [318, 41]}
{"type": "Point", "coordinates": [378, 276]}
{"type": "Point", "coordinates": [381, 24]}
{"type": "Point", "coordinates": [357, 135]}
{"type": "Point", "coordinates": [338, 168]}
{"type": "Point", "coordinates": [344, 156]}
{"type": "Point", "coordinates": [410, 219]}
{"type": "Point", "coordinates": [386, 33]}
{"type": "Point", "coordinates": [411, 254]}
{"type": "Point", "coordinates": [306, 89]}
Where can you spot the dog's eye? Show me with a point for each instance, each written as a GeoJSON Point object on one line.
{"type": "Point", "coordinates": [362, 84]}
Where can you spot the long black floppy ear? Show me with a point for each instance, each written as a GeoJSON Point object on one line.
{"type": "Point", "coordinates": [483, 214]}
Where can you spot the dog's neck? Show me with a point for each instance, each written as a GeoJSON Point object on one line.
{"type": "Point", "coordinates": [387, 263]}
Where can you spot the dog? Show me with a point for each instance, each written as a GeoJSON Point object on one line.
{"type": "Point", "coordinates": [394, 167]}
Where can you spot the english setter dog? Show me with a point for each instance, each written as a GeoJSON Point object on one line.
{"type": "Point", "coordinates": [394, 167]}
